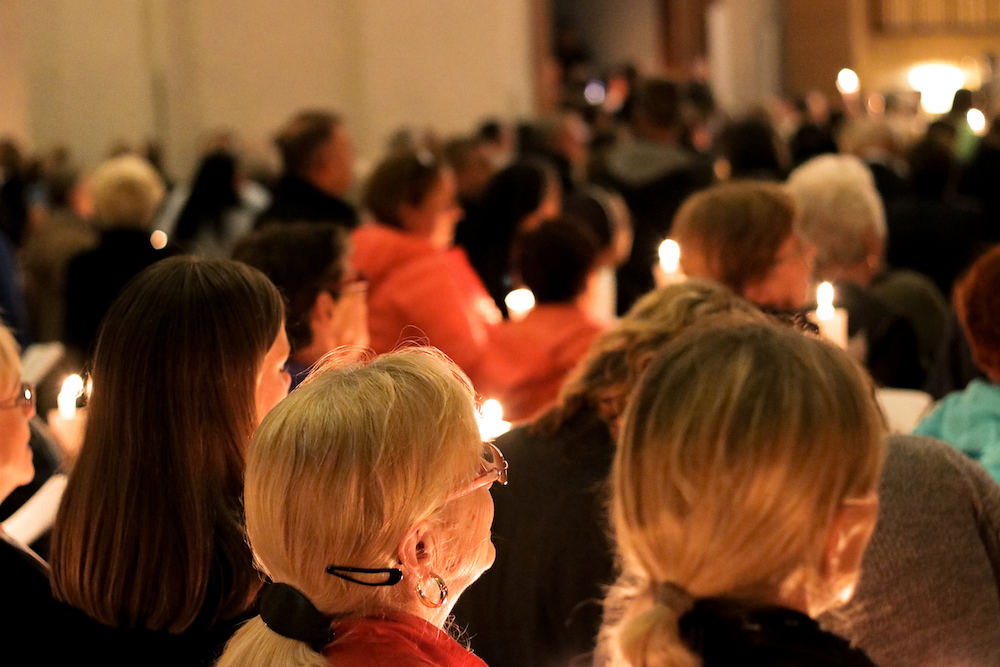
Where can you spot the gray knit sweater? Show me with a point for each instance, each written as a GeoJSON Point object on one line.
{"type": "Point", "coordinates": [930, 584]}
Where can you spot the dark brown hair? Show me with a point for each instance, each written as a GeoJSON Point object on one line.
{"type": "Point", "coordinates": [302, 259]}
{"type": "Point", "coordinates": [401, 178]}
{"type": "Point", "coordinates": [977, 302]}
{"type": "Point", "coordinates": [738, 228]}
{"type": "Point", "coordinates": [150, 530]}
{"type": "Point", "coordinates": [302, 137]}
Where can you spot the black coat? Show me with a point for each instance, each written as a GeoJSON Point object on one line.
{"type": "Point", "coordinates": [540, 603]}
{"type": "Point", "coordinates": [725, 633]}
{"type": "Point", "coordinates": [295, 200]}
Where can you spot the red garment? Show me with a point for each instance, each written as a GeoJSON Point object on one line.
{"type": "Point", "coordinates": [396, 640]}
{"type": "Point", "coordinates": [417, 292]}
{"type": "Point", "coordinates": [526, 362]}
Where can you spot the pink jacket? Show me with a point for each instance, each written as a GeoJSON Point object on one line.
{"type": "Point", "coordinates": [526, 362]}
{"type": "Point", "coordinates": [419, 293]}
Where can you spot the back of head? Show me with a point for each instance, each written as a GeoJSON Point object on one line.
{"type": "Point", "coordinates": [518, 190]}
{"type": "Point", "coordinates": [555, 260]}
{"type": "Point", "coordinates": [340, 471]}
{"type": "Point", "coordinates": [739, 448]}
{"type": "Point", "coordinates": [402, 178]}
{"type": "Point", "coordinates": [750, 145]}
{"type": "Point", "coordinates": [171, 413]}
{"type": "Point", "coordinates": [126, 191]}
{"type": "Point", "coordinates": [841, 209]}
{"type": "Point", "coordinates": [977, 301]}
{"type": "Point", "coordinates": [302, 259]}
{"type": "Point", "coordinates": [606, 215]}
{"type": "Point", "coordinates": [932, 168]}
{"type": "Point", "coordinates": [731, 232]}
{"type": "Point", "coordinates": [213, 191]}
{"type": "Point", "coordinates": [658, 103]}
{"type": "Point", "coordinates": [616, 360]}
{"type": "Point", "coordinates": [299, 141]}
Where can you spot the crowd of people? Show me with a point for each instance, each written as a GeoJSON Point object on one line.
{"type": "Point", "coordinates": [283, 460]}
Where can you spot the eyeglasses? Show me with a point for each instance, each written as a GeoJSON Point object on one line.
{"type": "Point", "coordinates": [25, 398]}
{"type": "Point", "coordinates": [357, 284]}
{"type": "Point", "coordinates": [494, 469]}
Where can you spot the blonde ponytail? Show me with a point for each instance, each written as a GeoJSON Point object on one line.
{"type": "Point", "coordinates": [256, 645]}
{"type": "Point", "coordinates": [738, 449]}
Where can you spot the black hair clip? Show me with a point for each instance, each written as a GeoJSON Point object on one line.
{"type": "Point", "coordinates": [288, 612]}
{"type": "Point", "coordinates": [395, 575]}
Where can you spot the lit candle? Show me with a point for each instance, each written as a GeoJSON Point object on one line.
{"type": "Point", "coordinates": [491, 423]}
{"type": "Point", "coordinates": [668, 271]}
{"type": "Point", "coordinates": [72, 388]}
{"type": "Point", "coordinates": [519, 302]}
{"type": "Point", "coordinates": [832, 322]}
{"type": "Point", "coordinates": [68, 423]}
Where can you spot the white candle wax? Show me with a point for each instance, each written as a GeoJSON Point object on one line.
{"type": "Point", "coordinates": [832, 322]}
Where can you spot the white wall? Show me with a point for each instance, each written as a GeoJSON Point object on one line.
{"type": "Point", "coordinates": [13, 93]}
{"type": "Point", "coordinates": [96, 71]}
{"type": "Point", "coordinates": [619, 31]}
{"type": "Point", "coordinates": [744, 52]}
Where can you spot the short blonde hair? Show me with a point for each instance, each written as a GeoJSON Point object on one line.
{"type": "Point", "coordinates": [126, 192]}
{"type": "Point", "coordinates": [340, 470]}
{"type": "Point", "coordinates": [840, 208]}
{"type": "Point", "coordinates": [738, 449]}
{"type": "Point", "coordinates": [10, 361]}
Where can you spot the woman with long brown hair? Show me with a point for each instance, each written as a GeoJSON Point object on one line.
{"type": "Point", "coordinates": [148, 548]}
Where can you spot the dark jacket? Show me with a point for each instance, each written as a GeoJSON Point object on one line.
{"type": "Point", "coordinates": [295, 200]}
{"type": "Point", "coordinates": [94, 279]}
{"type": "Point", "coordinates": [654, 179]}
{"type": "Point", "coordinates": [892, 350]}
{"type": "Point", "coordinates": [540, 603]}
{"type": "Point", "coordinates": [726, 633]}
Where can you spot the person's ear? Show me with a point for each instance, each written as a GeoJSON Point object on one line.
{"type": "Point", "coordinates": [323, 309]}
{"type": "Point", "coordinates": [846, 541]}
{"type": "Point", "coordinates": [419, 552]}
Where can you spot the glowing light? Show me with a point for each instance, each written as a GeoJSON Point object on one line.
{"type": "Point", "coordinates": [158, 239]}
{"type": "Point", "coordinates": [72, 389]}
{"type": "Point", "coordinates": [824, 301]}
{"type": "Point", "coordinates": [937, 83]}
{"type": "Point", "coordinates": [670, 256]}
{"type": "Point", "coordinates": [491, 423]}
{"type": "Point", "coordinates": [594, 92]}
{"type": "Point", "coordinates": [847, 81]}
{"type": "Point", "coordinates": [976, 120]}
{"type": "Point", "coordinates": [519, 302]}
{"type": "Point", "coordinates": [492, 410]}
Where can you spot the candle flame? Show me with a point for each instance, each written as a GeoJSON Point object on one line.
{"type": "Point", "coordinates": [520, 301]}
{"type": "Point", "coordinates": [670, 256]}
{"type": "Point", "coordinates": [72, 388]}
{"type": "Point", "coordinates": [824, 301]}
{"type": "Point", "coordinates": [492, 410]}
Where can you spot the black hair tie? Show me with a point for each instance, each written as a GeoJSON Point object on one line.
{"type": "Point", "coordinates": [287, 611]}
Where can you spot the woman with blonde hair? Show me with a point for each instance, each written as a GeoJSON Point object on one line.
{"type": "Point", "coordinates": [368, 506]}
{"type": "Point", "coordinates": [540, 603]}
{"type": "Point", "coordinates": [744, 496]}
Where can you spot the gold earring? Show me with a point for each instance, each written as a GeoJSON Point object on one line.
{"type": "Point", "coordinates": [442, 593]}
